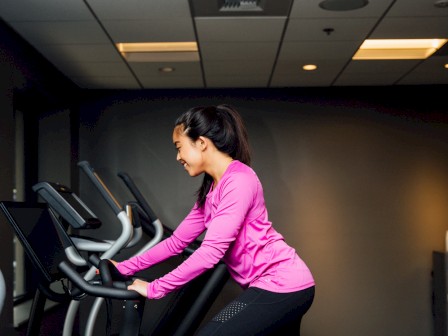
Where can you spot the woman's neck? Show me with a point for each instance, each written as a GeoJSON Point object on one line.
{"type": "Point", "coordinates": [218, 167]}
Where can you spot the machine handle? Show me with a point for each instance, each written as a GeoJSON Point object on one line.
{"type": "Point", "coordinates": [138, 195]}
{"type": "Point", "coordinates": [97, 290]}
{"type": "Point", "coordinates": [105, 192]}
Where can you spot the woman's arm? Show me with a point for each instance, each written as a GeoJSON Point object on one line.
{"type": "Point", "coordinates": [187, 231]}
{"type": "Point", "coordinates": [235, 198]}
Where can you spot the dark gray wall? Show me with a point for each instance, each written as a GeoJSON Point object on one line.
{"type": "Point", "coordinates": [6, 186]}
{"type": "Point", "coordinates": [54, 148]}
{"type": "Point", "coordinates": [30, 84]}
{"type": "Point", "coordinates": [355, 179]}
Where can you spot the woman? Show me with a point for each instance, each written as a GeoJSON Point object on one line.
{"type": "Point", "coordinates": [278, 286]}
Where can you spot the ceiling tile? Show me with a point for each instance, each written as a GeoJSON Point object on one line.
{"type": "Point", "coordinates": [430, 71]}
{"type": "Point", "coordinates": [70, 53]}
{"type": "Point", "coordinates": [407, 8]}
{"type": "Point", "coordinates": [229, 51]}
{"type": "Point", "coordinates": [140, 9]}
{"type": "Point", "coordinates": [78, 37]}
{"type": "Point", "coordinates": [311, 9]}
{"type": "Point", "coordinates": [44, 10]}
{"type": "Point", "coordinates": [290, 73]}
{"type": "Point", "coordinates": [96, 69]}
{"type": "Point", "coordinates": [237, 68]}
{"type": "Point", "coordinates": [107, 82]}
{"type": "Point", "coordinates": [182, 69]}
{"type": "Point", "coordinates": [375, 72]}
{"type": "Point", "coordinates": [157, 30]}
{"type": "Point", "coordinates": [434, 27]}
{"type": "Point", "coordinates": [318, 50]}
{"type": "Point", "coordinates": [342, 30]}
{"type": "Point", "coordinates": [239, 29]}
{"type": "Point", "coordinates": [43, 33]}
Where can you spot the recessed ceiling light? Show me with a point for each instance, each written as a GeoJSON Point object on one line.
{"type": "Point", "coordinates": [309, 67]}
{"type": "Point", "coordinates": [377, 49]}
{"type": "Point", "coordinates": [343, 5]}
{"type": "Point", "coordinates": [166, 69]}
{"type": "Point", "coordinates": [446, 66]}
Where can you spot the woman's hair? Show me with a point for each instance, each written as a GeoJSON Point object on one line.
{"type": "Point", "coordinates": [224, 126]}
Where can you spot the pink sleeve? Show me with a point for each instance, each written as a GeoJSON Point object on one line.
{"type": "Point", "coordinates": [235, 197]}
{"type": "Point", "coordinates": [187, 231]}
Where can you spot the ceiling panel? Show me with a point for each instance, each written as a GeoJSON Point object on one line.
{"type": "Point", "coordinates": [73, 53]}
{"type": "Point", "coordinates": [412, 8]}
{"type": "Point", "coordinates": [155, 30]}
{"type": "Point", "coordinates": [107, 82]}
{"type": "Point", "coordinates": [44, 10]}
{"type": "Point", "coordinates": [311, 9]}
{"type": "Point", "coordinates": [221, 73]}
{"type": "Point", "coordinates": [289, 73]}
{"type": "Point", "coordinates": [231, 51]}
{"type": "Point", "coordinates": [239, 67]}
{"type": "Point", "coordinates": [430, 71]}
{"type": "Point", "coordinates": [140, 9]}
{"type": "Point", "coordinates": [42, 33]}
{"type": "Point", "coordinates": [239, 29]}
{"type": "Point", "coordinates": [418, 27]}
{"type": "Point", "coordinates": [331, 29]}
{"type": "Point", "coordinates": [317, 51]}
{"type": "Point", "coordinates": [237, 48]}
{"type": "Point", "coordinates": [96, 69]}
{"type": "Point", "coordinates": [358, 73]}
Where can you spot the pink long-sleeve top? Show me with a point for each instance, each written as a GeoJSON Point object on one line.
{"type": "Point", "coordinates": [238, 232]}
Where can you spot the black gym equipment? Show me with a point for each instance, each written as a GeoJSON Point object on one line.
{"type": "Point", "coordinates": [186, 308]}
{"type": "Point", "coordinates": [46, 245]}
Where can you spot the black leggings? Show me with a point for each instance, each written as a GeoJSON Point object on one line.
{"type": "Point", "coordinates": [260, 312]}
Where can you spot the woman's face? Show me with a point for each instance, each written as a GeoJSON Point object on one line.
{"type": "Point", "coordinates": [189, 152]}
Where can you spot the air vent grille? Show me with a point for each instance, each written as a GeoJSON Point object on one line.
{"type": "Point", "coordinates": [242, 5]}
{"type": "Point", "coordinates": [217, 8]}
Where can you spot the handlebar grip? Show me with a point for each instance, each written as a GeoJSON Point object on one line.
{"type": "Point", "coordinates": [99, 291]}
{"type": "Point", "coordinates": [110, 274]}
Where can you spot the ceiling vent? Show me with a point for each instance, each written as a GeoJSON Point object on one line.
{"type": "Point", "coordinates": [242, 5]}
{"type": "Point", "coordinates": [216, 8]}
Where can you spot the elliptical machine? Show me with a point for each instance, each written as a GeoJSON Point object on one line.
{"type": "Point", "coordinates": [51, 262]}
{"type": "Point", "coordinates": [74, 212]}
{"type": "Point", "coordinates": [188, 306]}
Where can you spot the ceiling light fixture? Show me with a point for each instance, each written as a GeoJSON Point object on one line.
{"type": "Point", "coordinates": [160, 52]}
{"type": "Point", "coordinates": [166, 69]}
{"type": "Point", "coordinates": [309, 67]}
{"type": "Point", "coordinates": [343, 5]}
{"type": "Point", "coordinates": [398, 49]}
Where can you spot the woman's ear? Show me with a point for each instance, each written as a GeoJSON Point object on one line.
{"type": "Point", "coordinates": [202, 142]}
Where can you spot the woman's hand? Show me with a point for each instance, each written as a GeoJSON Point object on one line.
{"type": "Point", "coordinates": [112, 261]}
{"type": "Point", "coordinates": [140, 287]}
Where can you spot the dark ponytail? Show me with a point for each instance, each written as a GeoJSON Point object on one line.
{"type": "Point", "coordinates": [224, 126]}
